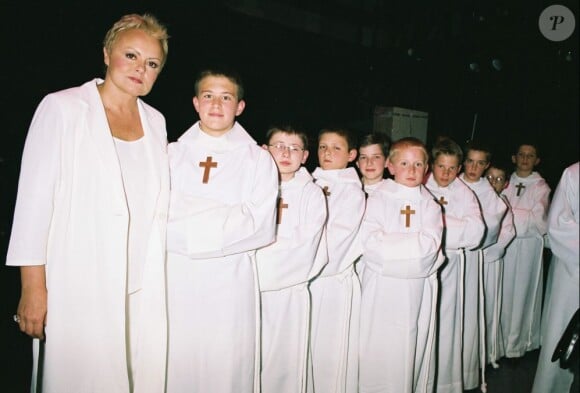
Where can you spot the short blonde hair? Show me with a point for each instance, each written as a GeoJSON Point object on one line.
{"type": "Point", "coordinates": [146, 22]}
{"type": "Point", "coordinates": [405, 143]}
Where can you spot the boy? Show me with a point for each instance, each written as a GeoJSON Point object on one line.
{"type": "Point", "coordinates": [336, 291]}
{"type": "Point", "coordinates": [286, 266]}
{"type": "Point", "coordinates": [528, 194]}
{"type": "Point", "coordinates": [493, 209]}
{"type": "Point", "coordinates": [372, 160]}
{"type": "Point", "coordinates": [401, 236]}
{"type": "Point", "coordinates": [464, 229]}
{"type": "Point", "coordinates": [562, 284]}
{"type": "Point", "coordinates": [222, 209]}
{"type": "Point", "coordinates": [496, 174]}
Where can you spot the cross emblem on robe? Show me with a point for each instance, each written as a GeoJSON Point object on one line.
{"type": "Point", "coordinates": [519, 187]}
{"type": "Point", "coordinates": [442, 201]}
{"type": "Point", "coordinates": [407, 212]}
{"type": "Point", "coordinates": [207, 165]}
{"type": "Point", "coordinates": [281, 205]}
{"type": "Point", "coordinates": [326, 192]}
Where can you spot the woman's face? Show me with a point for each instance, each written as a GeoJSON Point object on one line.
{"type": "Point", "coordinates": [134, 62]}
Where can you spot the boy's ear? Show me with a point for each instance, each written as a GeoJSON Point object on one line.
{"type": "Point", "coordinates": [390, 167]}
{"type": "Point", "coordinates": [507, 183]}
{"type": "Point", "coordinates": [264, 146]}
{"type": "Point", "coordinates": [241, 106]}
{"type": "Point", "coordinates": [513, 159]}
{"type": "Point", "coordinates": [196, 104]}
{"type": "Point", "coordinates": [305, 154]}
{"type": "Point", "coordinates": [352, 155]}
{"type": "Point", "coordinates": [537, 161]}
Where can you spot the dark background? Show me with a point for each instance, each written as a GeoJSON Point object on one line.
{"type": "Point", "coordinates": [294, 75]}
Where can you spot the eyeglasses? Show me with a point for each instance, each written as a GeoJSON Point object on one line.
{"type": "Point", "coordinates": [280, 147]}
{"type": "Point", "coordinates": [495, 179]}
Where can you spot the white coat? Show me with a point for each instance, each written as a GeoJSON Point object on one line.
{"type": "Point", "coordinates": [72, 216]}
{"type": "Point", "coordinates": [399, 290]}
{"type": "Point", "coordinates": [493, 210]}
{"type": "Point", "coordinates": [284, 270]}
{"type": "Point", "coordinates": [464, 229]}
{"type": "Point", "coordinates": [213, 232]}
{"type": "Point", "coordinates": [523, 265]}
{"type": "Point", "coordinates": [336, 291]}
{"type": "Point", "coordinates": [563, 283]}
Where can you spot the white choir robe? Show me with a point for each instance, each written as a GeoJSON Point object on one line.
{"type": "Point", "coordinates": [213, 231]}
{"type": "Point", "coordinates": [464, 229]}
{"type": "Point", "coordinates": [284, 270]}
{"type": "Point", "coordinates": [563, 283]}
{"type": "Point", "coordinates": [492, 284]}
{"type": "Point", "coordinates": [336, 291]}
{"type": "Point", "coordinates": [399, 290]}
{"type": "Point", "coordinates": [523, 265]}
{"type": "Point", "coordinates": [71, 215]}
{"type": "Point", "coordinates": [493, 209]}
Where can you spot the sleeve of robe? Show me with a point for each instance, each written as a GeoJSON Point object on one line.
{"type": "Point", "coordinates": [494, 210]}
{"type": "Point", "coordinates": [37, 185]}
{"type": "Point", "coordinates": [345, 213]}
{"type": "Point", "coordinates": [564, 217]}
{"type": "Point", "coordinates": [298, 256]}
{"type": "Point", "coordinates": [205, 228]}
{"type": "Point", "coordinates": [532, 220]}
{"type": "Point", "coordinates": [506, 234]}
{"type": "Point", "coordinates": [402, 254]}
{"type": "Point", "coordinates": [465, 231]}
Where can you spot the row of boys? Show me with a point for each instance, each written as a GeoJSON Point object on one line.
{"type": "Point", "coordinates": [337, 291]}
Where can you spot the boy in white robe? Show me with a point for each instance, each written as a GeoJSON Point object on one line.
{"type": "Point", "coordinates": [223, 201]}
{"type": "Point", "coordinates": [372, 160]}
{"type": "Point", "coordinates": [528, 194]}
{"type": "Point", "coordinates": [336, 291]}
{"type": "Point", "coordinates": [401, 236]}
{"type": "Point", "coordinates": [496, 174]}
{"type": "Point", "coordinates": [493, 209]}
{"type": "Point", "coordinates": [464, 229]}
{"type": "Point", "coordinates": [286, 266]}
{"type": "Point", "coordinates": [563, 283]}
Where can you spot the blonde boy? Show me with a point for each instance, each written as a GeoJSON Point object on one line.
{"type": "Point", "coordinates": [223, 200]}
{"type": "Point", "coordinates": [528, 194]}
{"type": "Point", "coordinates": [496, 174]}
{"type": "Point", "coordinates": [493, 209]}
{"type": "Point", "coordinates": [372, 160]}
{"type": "Point", "coordinates": [286, 266]}
{"type": "Point", "coordinates": [401, 236]}
{"type": "Point", "coordinates": [464, 230]}
{"type": "Point", "coordinates": [336, 291]}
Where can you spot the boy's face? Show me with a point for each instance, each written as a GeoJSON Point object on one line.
{"type": "Point", "coordinates": [333, 152]}
{"type": "Point", "coordinates": [526, 159]}
{"type": "Point", "coordinates": [372, 163]}
{"type": "Point", "coordinates": [288, 152]}
{"type": "Point", "coordinates": [445, 169]}
{"type": "Point", "coordinates": [217, 104]}
{"type": "Point", "coordinates": [497, 179]}
{"type": "Point", "coordinates": [408, 166]}
{"type": "Point", "coordinates": [475, 164]}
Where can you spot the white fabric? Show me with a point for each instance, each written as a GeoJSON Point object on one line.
{"type": "Point", "coordinates": [563, 283]}
{"type": "Point", "coordinates": [399, 290]}
{"type": "Point", "coordinates": [370, 188]}
{"type": "Point", "coordinates": [336, 291]}
{"type": "Point", "coordinates": [284, 269]}
{"type": "Point", "coordinates": [464, 229]}
{"type": "Point", "coordinates": [523, 265]}
{"type": "Point", "coordinates": [213, 232]}
{"type": "Point", "coordinates": [493, 209]}
{"type": "Point", "coordinates": [492, 282]}
{"type": "Point", "coordinates": [72, 216]}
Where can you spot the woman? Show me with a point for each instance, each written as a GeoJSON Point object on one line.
{"type": "Point", "coordinates": [89, 225]}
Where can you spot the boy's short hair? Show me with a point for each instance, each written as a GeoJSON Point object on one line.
{"type": "Point", "coordinates": [448, 147]}
{"type": "Point", "coordinates": [287, 129]}
{"type": "Point", "coordinates": [478, 146]}
{"type": "Point", "coordinates": [405, 143]}
{"type": "Point", "coordinates": [376, 138]}
{"type": "Point", "coordinates": [502, 165]}
{"type": "Point", "coordinates": [343, 132]}
{"type": "Point", "coordinates": [226, 72]}
{"type": "Point", "coordinates": [528, 141]}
